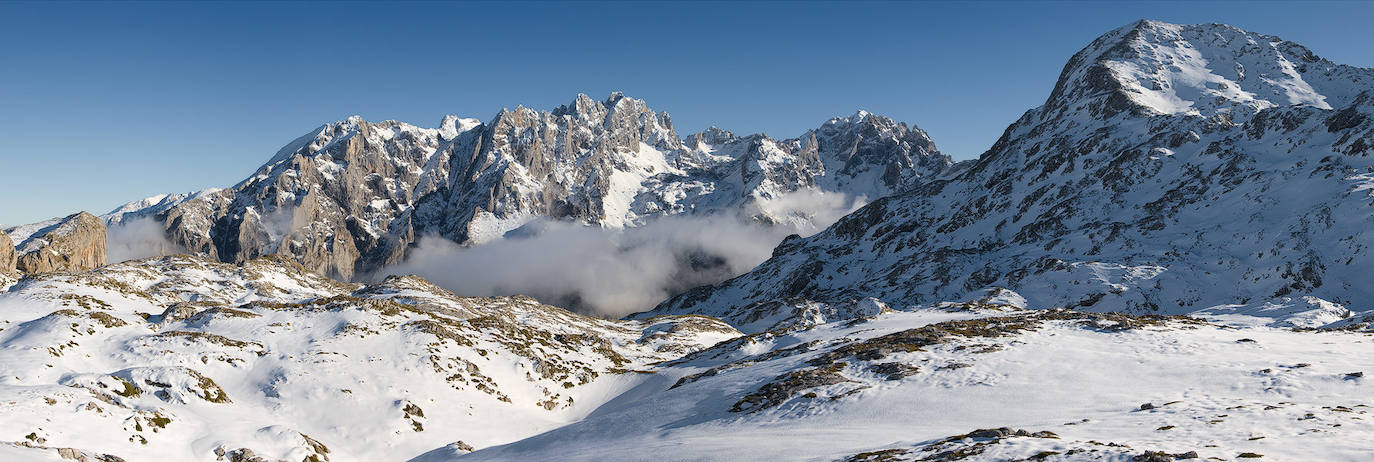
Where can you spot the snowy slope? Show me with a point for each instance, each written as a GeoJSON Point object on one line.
{"type": "Point", "coordinates": [1174, 168]}
{"type": "Point", "coordinates": [23, 235]}
{"type": "Point", "coordinates": [149, 206]}
{"type": "Point", "coordinates": [938, 383]}
{"type": "Point", "coordinates": [178, 358]}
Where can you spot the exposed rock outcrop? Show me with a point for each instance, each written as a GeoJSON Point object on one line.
{"type": "Point", "coordinates": [8, 255]}
{"type": "Point", "coordinates": [74, 243]}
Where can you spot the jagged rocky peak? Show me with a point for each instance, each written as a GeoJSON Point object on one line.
{"type": "Point", "coordinates": [584, 161]}
{"type": "Point", "coordinates": [841, 133]}
{"type": "Point", "coordinates": [709, 138]}
{"type": "Point", "coordinates": [326, 198]}
{"type": "Point", "coordinates": [1206, 70]}
{"type": "Point", "coordinates": [895, 154]}
{"type": "Point", "coordinates": [451, 126]}
{"type": "Point", "coordinates": [144, 208]}
{"type": "Point", "coordinates": [72, 243]}
{"type": "Point", "coordinates": [354, 139]}
{"type": "Point", "coordinates": [863, 154]}
{"type": "Point", "coordinates": [629, 120]}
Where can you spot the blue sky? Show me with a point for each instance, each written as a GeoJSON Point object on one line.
{"type": "Point", "coordinates": [102, 103]}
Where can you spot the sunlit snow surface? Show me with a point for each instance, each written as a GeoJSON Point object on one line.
{"type": "Point", "coordinates": [284, 363]}
{"type": "Point", "coordinates": [276, 360]}
{"type": "Point", "coordinates": [1217, 390]}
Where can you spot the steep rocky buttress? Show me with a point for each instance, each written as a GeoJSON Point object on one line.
{"type": "Point", "coordinates": [8, 256]}
{"type": "Point", "coordinates": [72, 243]}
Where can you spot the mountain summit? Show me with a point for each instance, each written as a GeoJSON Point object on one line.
{"type": "Point", "coordinates": [1151, 67]}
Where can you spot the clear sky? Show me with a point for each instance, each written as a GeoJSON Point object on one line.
{"type": "Point", "coordinates": [103, 103]}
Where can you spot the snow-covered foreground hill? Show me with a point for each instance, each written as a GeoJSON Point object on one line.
{"type": "Point", "coordinates": [181, 358]}
{"type": "Point", "coordinates": [939, 383]}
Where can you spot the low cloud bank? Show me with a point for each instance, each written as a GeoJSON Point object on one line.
{"type": "Point", "coordinates": [138, 238]}
{"type": "Point", "coordinates": [278, 224]}
{"type": "Point", "coordinates": [617, 272]}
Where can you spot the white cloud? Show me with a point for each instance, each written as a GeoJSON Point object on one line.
{"type": "Point", "coordinates": [618, 272]}
{"type": "Point", "coordinates": [138, 238]}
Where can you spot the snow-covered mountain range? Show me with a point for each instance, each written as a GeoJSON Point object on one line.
{"type": "Point", "coordinates": [353, 196]}
{"type": "Point", "coordinates": [1173, 168]}
{"type": "Point", "coordinates": [1166, 261]}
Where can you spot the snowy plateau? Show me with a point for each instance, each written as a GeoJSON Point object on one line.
{"type": "Point", "coordinates": [1170, 259]}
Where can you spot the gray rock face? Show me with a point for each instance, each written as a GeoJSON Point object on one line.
{"type": "Point", "coordinates": [1118, 195]}
{"type": "Point", "coordinates": [581, 162]}
{"type": "Point", "coordinates": [8, 256]}
{"type": "Point", "coordinates": [74, 243]}
{"type": "Point", "coordinates": [325, 199]}
{"type": "Point", "coordinates": [862, 155]}
{"type": "Point", "coordinates": [353, 196]}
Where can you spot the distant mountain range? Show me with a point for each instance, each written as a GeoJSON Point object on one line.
{"type": "Point", "coordinates": [353, 196]}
